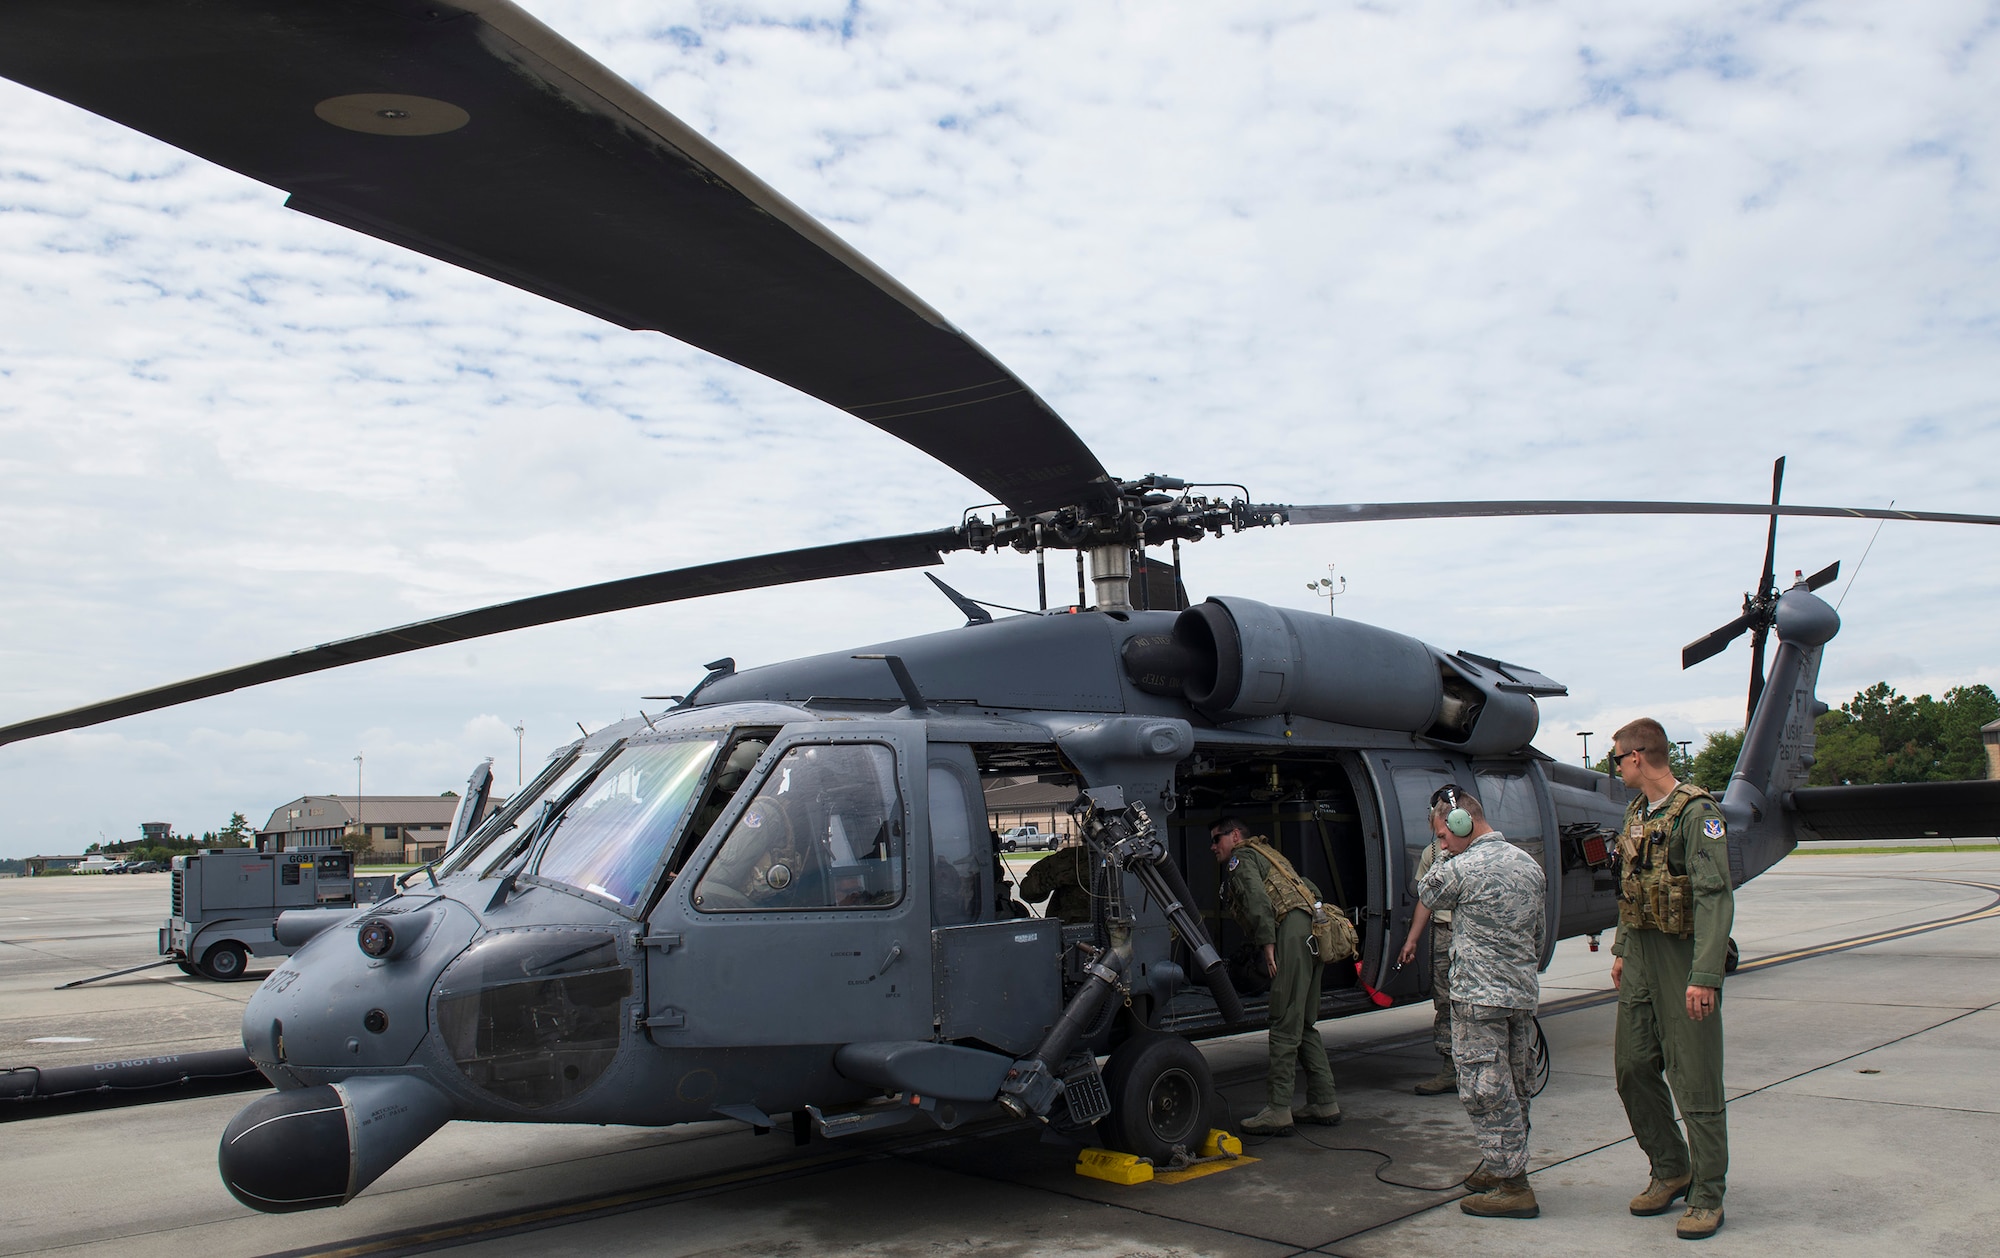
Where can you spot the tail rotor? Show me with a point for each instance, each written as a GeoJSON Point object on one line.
{"type": "Point", "coordinates": [1760, 607]}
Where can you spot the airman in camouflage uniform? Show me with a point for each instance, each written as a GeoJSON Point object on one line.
{"type": "Point", "coordinates": [1063, 879]}
{"type": "Point", "coordinates": [1251, 871]}
{"type": "Point", "coordinates": [1675, 909]}
{"type": "Point", "coordinates": [1496, 894]}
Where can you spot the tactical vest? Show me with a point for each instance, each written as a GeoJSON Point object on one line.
{"type": "Point", "coordinates": [1651, 895]}
{"type": "Point", "coordinates": [1333, 936]}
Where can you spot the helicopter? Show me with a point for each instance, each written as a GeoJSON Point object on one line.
{"type": "Point", "coordinates": [780, 896]}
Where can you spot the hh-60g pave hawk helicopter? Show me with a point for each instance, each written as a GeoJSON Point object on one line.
{"type": "Point", "coordinates": [781, 896]}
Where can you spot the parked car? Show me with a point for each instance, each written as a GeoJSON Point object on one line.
{"type": "Point", "coordinates": [145, 867]}
{"type": "Point", "coordinates": [1027, 837]}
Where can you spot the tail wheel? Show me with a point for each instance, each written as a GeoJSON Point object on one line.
{"type": "Point", "coordinates": [225, 962]}
{"type": "Point", "coordinates": [1160, 1090]}
{"type": "Point", "coordinates": [1732, 958]}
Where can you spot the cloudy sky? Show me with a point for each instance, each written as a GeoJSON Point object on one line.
{"type": "Point", "coordinates": [1338, 252]}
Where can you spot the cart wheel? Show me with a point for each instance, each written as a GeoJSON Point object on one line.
{"type": "Point", "coordinates": [188, 969]}
{"type": "Point", "coordinates": [1538, 1060]}
{"type": "Point", "coordinates": [1732, 958]}
{"type": "Point", "coordinates": [1160, 1089]}
{"type": "Point", "coordinates": [225, 962]}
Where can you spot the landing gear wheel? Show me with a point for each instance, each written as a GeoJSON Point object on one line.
{"type": "Point", "coordinates": [225, 962]}
{"type": "Point", "coordinates": [1732, 958]}
{"type": "Point", "coordinates": [1160, 1090]}
{"type": "Point", "coordinates": [1538, 1060]}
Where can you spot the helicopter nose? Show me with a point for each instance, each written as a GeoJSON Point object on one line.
{"type": "Point", "coordinates": [310, 1148]}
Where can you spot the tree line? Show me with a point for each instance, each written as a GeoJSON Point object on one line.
{"type": "Point", "coordinates": [237, 833]}
{"type": "Point", "coordinates": [1877, 736]}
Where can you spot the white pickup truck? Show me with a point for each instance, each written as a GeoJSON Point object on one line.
{"type": "Point", "coordinates": [1027, 838]}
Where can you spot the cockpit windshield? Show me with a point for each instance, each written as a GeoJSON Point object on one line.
{"type": "Point", "coordinates": [503, 832]}
{"type": "Point", "coordinates": [609, 841]}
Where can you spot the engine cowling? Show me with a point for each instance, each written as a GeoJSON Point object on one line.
{"type": "Point", "coordinates": [1233, 659]}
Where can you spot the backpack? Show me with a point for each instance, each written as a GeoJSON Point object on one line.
{"type": "Point", "coordinates": [1333, 936]}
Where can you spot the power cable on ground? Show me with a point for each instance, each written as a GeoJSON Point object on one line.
{"type": "Point", "coordinates": [1388, 1160]}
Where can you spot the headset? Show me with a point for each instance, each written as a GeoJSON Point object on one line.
{"type": "Point", "coordinates": [1458, 821]}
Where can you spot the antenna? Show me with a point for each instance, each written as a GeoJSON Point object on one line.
{"type": "Point", "coordinates": [1327, 589]}
{"type": "Point", "coordinates": [1864, 559]}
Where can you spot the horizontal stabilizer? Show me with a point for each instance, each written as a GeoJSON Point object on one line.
{"type": "Point", "coordinates": [1898, 810]}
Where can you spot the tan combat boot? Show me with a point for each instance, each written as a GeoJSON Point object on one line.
{"type": "Point", "coordinates": [1326, 1114]}
{"type": "Point", "coordinates": [1483, 1180]}
{"type": "Point", "coordinates": [1659, 1195]}
{"type": "Point", "coordinates": [1445, 1080]}
{"type": "Point", "coordinates": [1698, 1224]}
{"type": "Point", "coordinates": [1513, 1199]}
{"type": "Point", "coordinates": [1272, 1120]}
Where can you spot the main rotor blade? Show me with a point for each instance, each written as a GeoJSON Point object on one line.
{"type": "Point", "coordinates": [468, 131]}
{"type": "Point", "coordinates": [1825, 576]}
{"type": "Point", "coordinates": [1367, 512]}
{"type": "Point", "coordinates": [1715, 641]}
{"type": "Point", "coordinates": [881, 554]}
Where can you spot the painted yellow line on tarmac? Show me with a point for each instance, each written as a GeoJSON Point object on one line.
{"type": "Point", "coordinates": [1571, 1004]}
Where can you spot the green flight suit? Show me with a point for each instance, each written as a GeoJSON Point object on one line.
{"type": "Point", "coordinates": [1294, 1015]}
{"type": "Point", "coordinates": [1654, 1033]}
{"type": "Point", "coordinates": [1063, 879]}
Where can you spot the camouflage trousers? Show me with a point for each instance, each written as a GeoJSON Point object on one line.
{"type": "Point", "coordinates": [1490, 1046]}
{"type": "Point", "coordinates": [1441, 989]}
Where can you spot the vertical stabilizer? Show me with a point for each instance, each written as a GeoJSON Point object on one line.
{"type": "Point", "coordinates": [1778, 743]}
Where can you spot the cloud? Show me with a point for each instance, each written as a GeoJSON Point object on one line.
{"type": "Point", "coordinates": [1354, 252]}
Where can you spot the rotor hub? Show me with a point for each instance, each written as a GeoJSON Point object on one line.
{"type": "Point", "coordinates": [1150, 511]}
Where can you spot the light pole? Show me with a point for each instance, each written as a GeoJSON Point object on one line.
{"type": "Point", "coordinates": [355, 830]}
{"type": "Point", "coordinates": [1687, 765]}
{"type": "Point", "coordinates": [520, 734]}
{"type": "Point", "coordinates": [1585, 736]}
{"type": "Point", "coordinates": [1326, 588]}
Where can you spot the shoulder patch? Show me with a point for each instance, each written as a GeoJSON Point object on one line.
{"type": "Point", "coordinates": [1232, 863]}
{"type": "Point", "coordinates": [1712, 828]}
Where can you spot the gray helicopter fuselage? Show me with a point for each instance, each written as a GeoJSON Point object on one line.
{"type": "Point", "coordinates": [784, 896]}
{"type": "Point", "coordinates": [524, 996]}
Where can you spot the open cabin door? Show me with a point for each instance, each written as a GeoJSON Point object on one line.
{"type": "Point", "coordinates": [1517, 803]}
{"type": "Point", "coordinates": [1516, 797]}
{"type": "Point", "coordinates": [803, 916]}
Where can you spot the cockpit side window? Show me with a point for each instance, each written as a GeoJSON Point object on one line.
{"type": "Point", "coordinates": [824, 831]}
{"type": "Point", "coordinates": [729, 777]}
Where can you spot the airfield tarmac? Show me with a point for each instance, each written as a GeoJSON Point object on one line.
{"type": "Point", "coordinates": [1864, 1117]}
